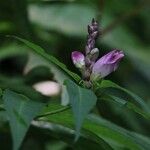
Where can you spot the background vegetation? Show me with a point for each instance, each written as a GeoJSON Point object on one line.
{"type": "Point", "coordinates": [59, 26]}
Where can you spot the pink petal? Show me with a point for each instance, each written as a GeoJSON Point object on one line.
{"type": "Point", "coordinates": [107, 64]}
{"type": "Point", "coordinates": [78, 59]}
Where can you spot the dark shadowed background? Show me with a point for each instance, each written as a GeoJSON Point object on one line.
{"type": "Point", "coordinates": [60, 27]}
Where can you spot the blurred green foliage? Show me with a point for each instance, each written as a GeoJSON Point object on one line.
{"type": "Point", "coordinates": [59, 26]}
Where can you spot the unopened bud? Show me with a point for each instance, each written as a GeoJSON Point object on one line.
{"type": "Point", "coordinates": [94, 54]}
{"type": "Point", "coordinates": [78, 59]}
{"type": "Point", "coordinates": [95, 34]}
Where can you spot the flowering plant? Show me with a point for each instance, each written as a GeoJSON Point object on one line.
{"type": "Point", "coordinates": [78, 117]}
{"type": "Point", "coordinates": [91, 68]}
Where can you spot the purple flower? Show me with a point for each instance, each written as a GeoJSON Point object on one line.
{"type": "Point", "coordinates": [92, 70]}
{"type": "Point", "coordinates": [106, 64]}
{"type": "Point", "coordinates": [78, 59]}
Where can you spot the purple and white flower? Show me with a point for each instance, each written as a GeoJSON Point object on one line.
{"type": "Point", "coordinates": [78, 59]}
{"type": "Point", "coordinates": [107, 64]}
{"type": "Point", "coordinates": [91, 68]}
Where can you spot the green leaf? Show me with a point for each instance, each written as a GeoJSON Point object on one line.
{"type": "Point", "coordinates": [140, 141]}
{"type": "Point", "coordinates": [20, 111]}
{"type": "Point", "coordinates": [109, 132]}
{"type": "Point", "coordinates": [67, 135]}
{"type": "Point", "coordinates": [52, 106]}
{"type": "Point", "coordinates": [110, 84]}
{"type": "Point", "coordinates": [37, 49]}
{"type": "Point", "coordinates": [82, 101]}
{"type": "Point", "coordinates": [124, 103]}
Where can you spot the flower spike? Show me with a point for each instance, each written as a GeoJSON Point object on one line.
{"type": "Point", "coordinates": [91, 68]}
{"type": "Point", "coordinates": [93, 31]}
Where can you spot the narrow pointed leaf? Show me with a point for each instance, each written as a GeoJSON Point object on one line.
{"type": "Point", "coordinates": [67, 135]}
{"type": "Point", "coordinates": [133, 140]}
{"type": "Point", "coordinates": [40, 51]}
{"type": "Point", "coordinates": [126, 104]}
{"type": "Point", "coordinates": [102, 128]}
{"type": "Point", "coordinates": [82, 101]}
{"type": "Point", "coordinates": [140, 101]}
{"type": "Point", "coordinates": [20, 111]}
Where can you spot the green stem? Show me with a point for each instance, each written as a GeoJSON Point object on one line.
{"type": "Point", "coordinates": [54, 112]}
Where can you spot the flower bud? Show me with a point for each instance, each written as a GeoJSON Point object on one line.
{"type": "Point", "coordinates": [95, 34]}
{"type": "Point", "coordinates": [90, 29]}
{"type": "Point", "coordinates": [94, 22]}
{"type": "Point", "coordinates": [78, 59]}
{"type": "Point", "coordinates": [106, 64]}
{"type": "Point", "coordinates": [91, 44]}
{"type": "Point", "coordinates": [94, 54]}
